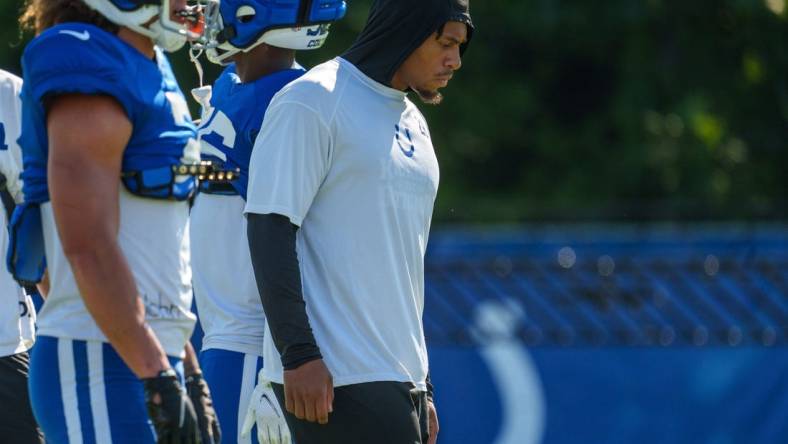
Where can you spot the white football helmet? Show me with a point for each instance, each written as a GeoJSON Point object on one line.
{"type": "Point", "coordinates": [153, 18]}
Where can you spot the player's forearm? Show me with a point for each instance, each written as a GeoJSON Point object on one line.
{"type": "Point", "coordinates": [108, 289]}
{"type": "Point", "coordinates": [82, 175]}
{"type": "Point", "coordinates": [191, 365]}
{"type": "Point", "coordinates": [272, 246]}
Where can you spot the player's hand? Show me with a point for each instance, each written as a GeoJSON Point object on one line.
{"type": "Point", "coordinates": [265, 411]}
{"type": "Point", "coordinates": [309, 391]}
{"type": "Point", "coordinates": [432, 418]}
{"type": "Point", "coordinates": [170, 410]}
{"type": "Point", "coordinates": [200, 396]}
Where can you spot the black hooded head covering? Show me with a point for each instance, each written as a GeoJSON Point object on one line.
{"type": "Point", "coordinates": [395, 29]}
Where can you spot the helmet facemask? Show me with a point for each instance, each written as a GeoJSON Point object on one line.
{"type": "Point", "coordinates": [153, 19]}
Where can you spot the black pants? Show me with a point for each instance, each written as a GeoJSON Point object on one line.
{"type": "Point", "coordinates": [369, 413]}
{"type": "Point", "coordinates": [17, 424]}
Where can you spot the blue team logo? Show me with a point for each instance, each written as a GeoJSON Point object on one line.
{"type": "Point", "coordinates": [505, 377]}
{"type": "Point", "coordinates": [320, 30]}
{"type": "Point", "coordinates": [409, 148]}
{"type": "Point", "coordinates": [3, 145]}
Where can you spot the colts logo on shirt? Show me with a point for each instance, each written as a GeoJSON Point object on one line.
{"type": "Point", "coordinates": [3, 145]}
{"type": "Point", "coordinates": [405, 141]}
{"type": "Point", "coordinates": [423, 129]}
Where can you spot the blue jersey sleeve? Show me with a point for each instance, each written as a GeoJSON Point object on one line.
{"type": "Point", "coordinates": [82, 59]}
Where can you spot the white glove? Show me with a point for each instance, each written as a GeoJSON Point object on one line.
{"type": "Point", "coordinates": [264, 409]}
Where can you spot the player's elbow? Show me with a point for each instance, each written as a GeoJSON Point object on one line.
{"type": "Point", "coordinates": [82, 255]}
{"type": "Point", "coordinates": [84, 249]}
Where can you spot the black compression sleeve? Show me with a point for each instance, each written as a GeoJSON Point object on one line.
{"type": "Point", "coordinates": [272, 244]}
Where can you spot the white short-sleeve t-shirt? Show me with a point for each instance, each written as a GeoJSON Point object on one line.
{"type": "Point", "coordinates": [229, 305]}
{"type": "Point", "coordinates": [351, 162]}
{"type": "Point", "coordinates": [17, 315]}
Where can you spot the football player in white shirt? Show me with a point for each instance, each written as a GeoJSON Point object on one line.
{"type": "Point", "coordinates": [260, 39]}
{"type": "Point", "coordinates": [343, 179]}
{"type": "Point", "coordinates": [17, 314]}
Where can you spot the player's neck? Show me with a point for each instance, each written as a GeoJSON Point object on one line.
{"type": "Point", "coordinates": [262, 61]}
{"type": "Point", "coordinates": [398, 81]}
{"type": "Point", "coordinates": [138, 41]}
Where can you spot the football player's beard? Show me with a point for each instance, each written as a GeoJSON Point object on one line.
{"type": "Point", "coordinates": [429, 97]}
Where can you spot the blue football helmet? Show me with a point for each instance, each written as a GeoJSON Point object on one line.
{"type": "Point", "coordinates": [165, 32]}
{"type": "Point", "coordinates": [233, 26]}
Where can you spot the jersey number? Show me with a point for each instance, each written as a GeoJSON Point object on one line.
{"type": "Point", "coordinates": [217, 135]}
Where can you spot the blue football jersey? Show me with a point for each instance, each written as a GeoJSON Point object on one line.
{"type": "Point", "coordinates": [77, 58]}
{"type": "Point", "coordinates": [236, 115]}
{"type": "Point", "coordinates": [84, 59]}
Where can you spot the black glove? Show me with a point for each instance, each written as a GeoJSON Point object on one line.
{"type": "Point", "coordinates": [200, 395]}
{"type": "Point", "coordinates": [170, 410]}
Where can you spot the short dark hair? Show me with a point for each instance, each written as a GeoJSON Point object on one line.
{"type": "Point", "coordinates": [440, 30]}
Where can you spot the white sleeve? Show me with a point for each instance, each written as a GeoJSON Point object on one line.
{"type": "Point", "coordinates": [10, 153]}
{"type": "Point", "coordinates": [290, 159]}
{"type": "Point", "coordinates": [10, 170]}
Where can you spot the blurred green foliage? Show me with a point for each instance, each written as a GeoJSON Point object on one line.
{"type": "Point", "coordinates": [576, 110]}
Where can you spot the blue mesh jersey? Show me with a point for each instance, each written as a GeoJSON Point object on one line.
{"type": "Point", "coordinates": [235, 116]}
{"type": "Point", "coordinates": [83, 59]}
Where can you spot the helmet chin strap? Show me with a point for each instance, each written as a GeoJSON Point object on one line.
{"type": "Point", "coordinates": [221, 54]}
{"type": "Point", "coordinates": [194, 56]}
{"type": "Point", "coordinates": [168, 40]}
